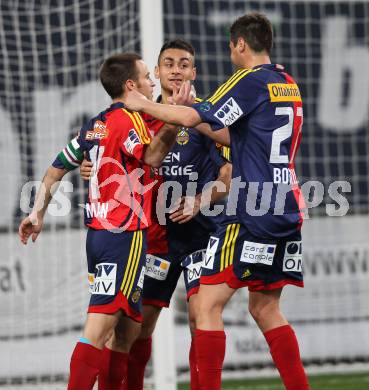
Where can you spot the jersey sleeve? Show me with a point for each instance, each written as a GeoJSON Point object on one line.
{"type": "Point", "coordinates": [233, 100]}
{"type": "Point", "coordinates": [71, 156]}
{"type": "Point", "coordinates": [135, 135]}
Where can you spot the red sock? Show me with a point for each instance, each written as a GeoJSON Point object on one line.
{"type": "Point", "coordinates": [210, 351]}
{"type": "Point", "coordinates": [84, 367]}
{"type": "Point", "coordinates": [139, 355]}
{"type": "Point", "coordinates": [113, 370]}
{"type": "Point", "coordinates": [194, 371]}
{"type": "Point", "coordinates": [284, 349]}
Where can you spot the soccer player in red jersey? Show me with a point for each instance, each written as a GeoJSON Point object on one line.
{"type": "Point", "coordinates": [117, 213]}
{"type": "Point", "coordinates": [178, 247]}
{"type": "Point", "coordinates": [261, 104]}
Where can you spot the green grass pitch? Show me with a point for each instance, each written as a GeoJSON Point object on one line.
{"type": "Point", "coordinates": [318, 382]}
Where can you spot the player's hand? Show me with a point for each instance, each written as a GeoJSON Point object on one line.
{"type": "Point", "coordinates": [85, 169]}
{"type": "Point", "coordinates": [134, 100]}
{"type": "Point", "coordinates": [185, 209]}
{"type": "Point", "coordinates": [183, 96]}
{"type": "Point", "coordinates": [30, 225]}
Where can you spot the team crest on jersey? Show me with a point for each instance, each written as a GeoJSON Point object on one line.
{"type": "Point", "coordinates": [182, 136]}
{"type": "Point", "coordinates": [99, 131]}
{"type": "Point", "coordinates": [205, 107]}
{"type": "Point", "coordinates": [136, 296]}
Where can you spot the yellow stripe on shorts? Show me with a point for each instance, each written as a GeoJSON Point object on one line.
{"type": "Point", "coordinates": [136, 263]}
{"type": "Point", "coordinates": [123, 286]}
{"type": "Point", "coordinates": [226, 257]}
{"type": "Point", "coordinates": [224, 248]}
{"type": "Point", "coordinates": [233, 243]}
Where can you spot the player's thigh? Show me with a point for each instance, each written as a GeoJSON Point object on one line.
{"type": "Point", "coordinates": [213, 297]}
{"type": "Point", "coordinates": [192, 312]}
{"type": "Point", "coordinates": [264, 300]}
{"type": "Point", "coordinates": [125, 333]}
{"type": "Point", "coordinates": [211, 300]}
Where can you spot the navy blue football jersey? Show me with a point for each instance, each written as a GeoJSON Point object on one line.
{"type": "Point", "coordinates": [263, 109]}
{"type": "Point", "coordinates": [193, 159]}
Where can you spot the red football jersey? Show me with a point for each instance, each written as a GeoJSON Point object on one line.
{"type": "Point", "coordinates": [120, 191]}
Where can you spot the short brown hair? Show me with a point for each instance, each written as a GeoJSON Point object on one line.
{"type": "Point", "coordinates": [116, 70]}
{"type": "Point", "coordinates": [178, 43]}
{"type": "Point", "coordinates": [256, 29]}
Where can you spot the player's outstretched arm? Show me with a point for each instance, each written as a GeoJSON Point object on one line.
{"type": "Point", "coordinates": [189, 207]}
{"type": "Point", "coordinates": [32, 225]}
{"type": "Point", "coordinates": [160, 145]}
{"type": "Point", "coordinates": [174, 114]}
{"type": "Point", "coordinates": [220, 136]}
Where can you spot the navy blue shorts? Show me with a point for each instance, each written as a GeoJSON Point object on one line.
{"type": "Point", "coordinates": [238, 258]}
{"type": "Point", "coordinates": [163, 272]}
{"type": "Point", "coordinates": [116, 271]}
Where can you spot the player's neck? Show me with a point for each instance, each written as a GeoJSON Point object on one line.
{"type": "Point", "coordinates": [255, 60]}
{"type": "Point", "coordinates": [118, 100]}
{"type": "Point", "coordinates": [164, 96]}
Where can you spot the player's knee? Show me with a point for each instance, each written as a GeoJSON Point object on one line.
{"type": "Point", "coordinates": [147, 329]}
{"type": "Point", "coordinates": [209, 309]}
{"type": "Point", "coordinates": [120, 340]}
{"type": "Point", "coordinates": [260, 310]}
{"type": "Point", "coordinates": [192, 324]}
{"type": "Point", "coordinates": [150, 317]}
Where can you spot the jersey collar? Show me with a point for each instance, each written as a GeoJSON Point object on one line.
{"type": "Point", "coordinates": [116, 105]}
{"type": "Point", "coordinates": [275, 67]}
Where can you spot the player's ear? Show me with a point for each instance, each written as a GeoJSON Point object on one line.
{"type": "Point", "coordinates": [194, 73]}
{"type": "Point", "coordinates": [156, 72]}
{"type": "Point", "coordinates": [129, 85]}
{"type": "Point", "coordinates": [242, 45]}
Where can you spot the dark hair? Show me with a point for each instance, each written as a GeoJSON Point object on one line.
{"type": "Point", "coordinates": [116, 70]}
{"type": "Point", "coordinates": [177, 44]}
{"type": "Point", "coordinates": [256, 29]}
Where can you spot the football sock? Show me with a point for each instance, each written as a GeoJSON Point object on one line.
{"type": "Point", "coordinates": [285, 352]}
{"type": "Point", "coordinates": [113, 370]}
{"type": "Point", "coordinates": [194, 372]}
{"type": "Point", "coordinates": [139, 355]}
{"type": "Point", "coordinates": [84, 366]}
{"type": "Point", "coordinates": [210, 351]}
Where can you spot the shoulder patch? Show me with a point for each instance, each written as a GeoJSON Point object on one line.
{"type": "Point", "coordinates": [99, 131]}
{"type": "Point", "coordinates": [229, 112]}
{"type": "Point", "coordinates": [279, 92]}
